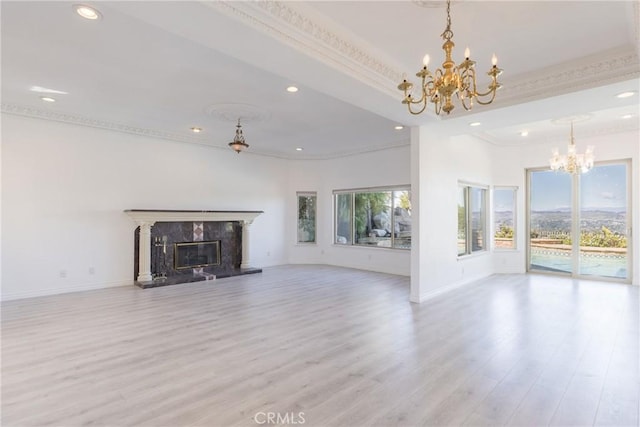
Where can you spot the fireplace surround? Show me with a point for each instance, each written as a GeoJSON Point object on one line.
{"type": "Point", "coordinates": [216, 244]}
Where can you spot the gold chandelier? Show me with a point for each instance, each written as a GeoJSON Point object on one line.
{"type": "Point", "coordinates": [460, 80]}
{"type": "Point", "coordinates": [572, 162]}
{"type": "Point", "coordinates": [238, 143]}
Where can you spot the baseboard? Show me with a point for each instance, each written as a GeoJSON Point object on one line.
{"type": "Point", "coordinates": [447, 288]}
{"type": "Point", "coordinates": [66, 289]}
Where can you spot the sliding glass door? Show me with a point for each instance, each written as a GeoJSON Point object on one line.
{"type": "Point", "coordinates": [550, 221]}
{"type": "Point", "coordinates": [578, 225]}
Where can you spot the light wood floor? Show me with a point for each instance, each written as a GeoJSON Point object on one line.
{"type": "Point", "coordinates": [344, 347]}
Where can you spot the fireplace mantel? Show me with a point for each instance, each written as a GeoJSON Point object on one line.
{"type": "Point", "coordinates": [146, 218]}
{"type": "Point", "coordinates": [152, 215]}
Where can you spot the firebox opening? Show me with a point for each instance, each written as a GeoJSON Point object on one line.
{"type": "Point", "coordinates": [196, 254]}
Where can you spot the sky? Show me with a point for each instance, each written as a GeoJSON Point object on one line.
{"type": "Point", "coordinates": [503, 199]}
{"type": "Point", "coordinates": [602, 187]}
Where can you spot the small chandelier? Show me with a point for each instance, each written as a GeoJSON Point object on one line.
{"type": "Point", "coordinates": [459, 80]}
{"type": "Point", "coordinates": [571, 162]}
{"type": "Point", "coordinates": [238, 143]}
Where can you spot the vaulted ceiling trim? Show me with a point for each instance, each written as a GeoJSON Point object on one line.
{"type": "Point", "coordinates": [291, 27]}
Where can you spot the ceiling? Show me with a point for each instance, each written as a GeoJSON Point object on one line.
{"type": "Point", "coordinates": [160, 68]}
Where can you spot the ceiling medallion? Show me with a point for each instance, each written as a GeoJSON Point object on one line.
{"type": "Point", "coordinates": [431, 4]}
{"type": "Point", "coordinates": [563, 121]}
{"type": "Point", "coordinates": [231, 112]}
{"type": "Point", "coordinates": [452, 80]}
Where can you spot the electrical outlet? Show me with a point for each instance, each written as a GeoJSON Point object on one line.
{"type": "Point", "coordinates": [92, 270]}
{"type": "Point", "coordinates": [63, 274]}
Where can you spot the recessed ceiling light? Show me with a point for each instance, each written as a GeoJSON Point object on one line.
{"type": "Point", "coordinates": [475, 124]}
{"type": "Point", "coordinates": [299, 149]}
{"type": "Point", "coordinates": [87, 12]}
{"type": "Point", "coordinates": [48, 99]}
{"type": "Point", "coordinates": [626, 116]}
{"type": "Point", "coordinates": [292, 89]}
{"type": "Point", "coordinates": [625, 94]}
{"type": "Point", "coordinates": [524, 133]}
{"type": "Point", "coordinates": [399, 127]}
{"type": "Point", "coordinates": [196, 130]}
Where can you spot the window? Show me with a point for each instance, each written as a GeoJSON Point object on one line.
{"type": "Point", "coordinates": [472, 219]}
{"type": "Point", "coordinates": [504, 217]}
{"type": "Point", "coordinates": [378, 217]}
{"type": "Point", "coordinates": [306, 217]}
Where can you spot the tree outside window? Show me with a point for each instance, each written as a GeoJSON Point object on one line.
{"type": "Point", "coordinates": [307, 217]}
{"type": "Point", "coordinates": [376, 217]}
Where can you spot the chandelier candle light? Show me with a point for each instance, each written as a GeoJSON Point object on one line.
{"type": "Point", "coordinates": [572, 162]}
{"type": "Point", "coordinates": [459, 80]}
{"type": "Point", "coordinates": [238, 143]}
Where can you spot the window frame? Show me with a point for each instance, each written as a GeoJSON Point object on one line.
{"type": "Point", "coordinates": [468, 218]}
{"type": "Point", "coordinates": [300, 194]}
{"type": "Point", "coordinates": [351, 240]}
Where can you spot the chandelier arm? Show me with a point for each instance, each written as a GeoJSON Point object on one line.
{"type": "Point", "coordinates": [468, 80]}
{"type": "Point", "coordinates": [463, 101]}
{"type": "Point", "coordinates": [424, 106]}
{"type": "Point", "coordinates": [429, 88]}
{"type": "Point", "coordinates": [493, 95]}
{"type": "Point", "coordinates": [438, 105]}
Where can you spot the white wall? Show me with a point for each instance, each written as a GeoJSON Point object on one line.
{"type": "Point", "coordinates": [379, 168]}
{"type": "Point", "coordinates": [440, 162]}
{"type": "Point", "coordinates": [64, 189]}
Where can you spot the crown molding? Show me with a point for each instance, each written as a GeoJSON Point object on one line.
{"type": "Point", "coordinates": [615, 66]}
{"type": "Point", "coordinates": [74, 119]}
{"type": "Point", "coordinates": [592, 71]}
{"type": "Point", "coordinates": [286, 23]}
{"type": "Point", "coordinates": [293, 25]}
{"type": "Point", "coordinates": [21, 110]}
{"type": "Point", "coordinates": [621, 127]}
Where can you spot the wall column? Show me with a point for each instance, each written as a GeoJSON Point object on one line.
{"type": "Point", "coordinates": [245, 244]}
{"type": "Point", "coordinates": [431, 211]}
{"type": "Point", "coordinates": [144, 256]}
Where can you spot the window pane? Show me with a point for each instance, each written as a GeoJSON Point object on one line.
{"type": "Point", "coordinates": [550, 221]}
{"type": "Point", "coordinates": [603, 222]}
{"type": "Point", "coordinates": [462, 221]}
{"type": "Point", "coordinates": [372, 218]}
{"type": "Point", "coordinates": [343, 219]}
{"type": "Point", "coordinates": [504, 214]}
{"type": "Point", "coordinates": [477, 200]}
{"type": "Point", "coordinates": [306, 218]}
{"type": "Point", "coordinates": [402, 219]}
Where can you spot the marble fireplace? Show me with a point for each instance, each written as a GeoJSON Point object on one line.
{"type": "Point", "coordinates": [180, 246]}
